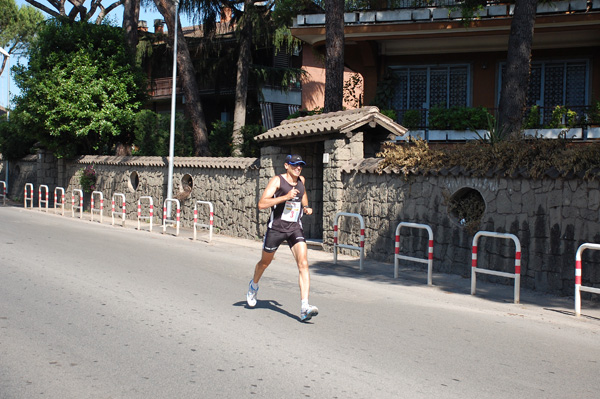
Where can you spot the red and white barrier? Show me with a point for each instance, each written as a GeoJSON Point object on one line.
{"type": "Point", "coordinates": [123, 212]}
{"type": "Point", "coordinates": [428, 261]}
{"type": "Point", "coordinates": [62, 199]}
{"type": "Point", "coordinates": [516, 275]}
{"type": "Point", "coordinates": [150, 211]}
{"type": "Point", "coordinates": [41, 201]}
{"type": "Point", "coordinates": [209, 226]}
{"type": "Point", "coordinates": [166, 220]}
{"type": "Point", "coordinates": [28, 195]}
{"type": "Point", "coordinates": [360, 247]}
{"type": "Point", "coordinates": [578, 286]}
{"type": "Point", "coordinates": [93, 209]}
{"type": "Point", "coordinates": [3, 192]}
{"type": "Point", "coordinates": [79, 192]}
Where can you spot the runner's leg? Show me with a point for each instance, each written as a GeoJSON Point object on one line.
{"type": "Point", "coordinates": [300, 254]}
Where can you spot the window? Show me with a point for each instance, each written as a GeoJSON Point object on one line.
{"type": "Point", "coordinates": [553, 83]}
{"type": "Point", "coordinates": [423, 87]}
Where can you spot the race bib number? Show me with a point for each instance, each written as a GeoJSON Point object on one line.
{"type": "Point", "coordinates": [291, 211]}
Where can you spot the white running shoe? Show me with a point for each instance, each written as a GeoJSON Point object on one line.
{"type": "Point", "coordinates": [251, 295]}
{"type": "Point", "coordinates": [308, 313]}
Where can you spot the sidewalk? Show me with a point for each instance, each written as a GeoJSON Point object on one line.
{"type": "Point", "coordinates": [321, 263]}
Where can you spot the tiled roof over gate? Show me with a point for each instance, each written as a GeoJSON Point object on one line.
{"type": "Point", "coordinates": [332, 122]}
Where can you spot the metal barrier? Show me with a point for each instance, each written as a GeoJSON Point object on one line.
{"type": "Point", "coordinates": [139, 211]}
{"type": "Point", "coordinates": [209, 226]}
{"type": "Point", "coordinates": [428, 261]}
{"type": "Point", "coordinates": [92, 209]}
{"type": "Point", "coordinates": [516, 275]}
{"type": "Point", "coordinates": [361, 246]}
{"type": "Point", "coordinates": [40, 200]}
{"type": "Point", "coordinates": [123, 213]}
{"type": "Point", "coordinates": [73, 206]}
{"type": "Point", "coordinates": [28, 197]}
{"type": "Point", "coordinates": [62, 199]}
{"type": "Point", "coordinates": [171, 221]}
{"type": "Point", "coordinates": [3, 192]}
{"type": "Point", "coordinates": [578, 286]}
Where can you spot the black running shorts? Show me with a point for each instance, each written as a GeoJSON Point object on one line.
{"type": "Point", "coordinates": [274, 238]}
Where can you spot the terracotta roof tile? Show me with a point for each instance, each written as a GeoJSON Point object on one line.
{"type": "Point", "coordinates": [332, 122]}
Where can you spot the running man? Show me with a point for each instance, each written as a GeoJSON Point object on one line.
{"type": "Point", "coordinates": [286, 195]}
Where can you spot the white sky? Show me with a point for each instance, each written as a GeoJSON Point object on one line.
{"type": "Point", "coordinates": [148, 14]}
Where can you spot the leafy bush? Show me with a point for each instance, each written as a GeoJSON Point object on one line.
{"type": "Point", "coordinates": [458, 118]}
{"type": "Point", "coordinates": [411, 119]}
{"type": "Point", "coordinates": [533, 118]}
{"type": "Point", "coordinates": [594, 113]}
{"type": "Point", "coordinates": [87, 178]}
{"type": "Point", "coordinates": [14, 143]}
{"type": "Point", "coordinates": [562, 117]}
{"type": "Point", "coordinates": [153, 131]}
{"type": "Point", "coordinates": [220, 139]}
{"type": "Point", "coordinates": [534, 157]}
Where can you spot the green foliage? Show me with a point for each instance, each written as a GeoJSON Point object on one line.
{"type": "Point", "coordinates": [17, 26]}
{"type": "Point", "coordinates": [533, 118]}
{"type": "Point", "coordinates": [594, 113]}
{"type": "Point", "coordinates": [80, 90]}
{"type": "Point", "coordinates": [411, 119]}
{"type": "Point", "coordinates": [303, 112]}
{"type": "Point", "coordinates": [562, 118]}
{"type": "Point", "coordinates": [14, 144]}
{"type": "Point", "coordinates": [533, 157]}
{"type": "Point", "coordinates": [386, 89]}
{"type": "Point", "coordinates": [153, 131]}
{"type": "Point", "coordinates": [87, 178]}
{"type": "Point", "coordinates": [458, 118]}
{"type": "Point", "coordinates": [220, 139]}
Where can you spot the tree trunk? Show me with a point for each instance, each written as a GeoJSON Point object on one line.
{"type": "Point", "coordinates": [193, 106]}
{"type": "Point", "coordinates": [334, 58]}
{"type": "Point", "coordinates": [241, 89]}
{"type": "Point", "coordinates": [131, 17]}
{"type": "Point", "coordinates": [513, 94]}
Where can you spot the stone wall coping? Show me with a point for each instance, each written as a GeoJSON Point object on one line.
{"type": "Point", "coordinates": [179, 162]}
{"type": "Point", "coordinates": [371, 165]}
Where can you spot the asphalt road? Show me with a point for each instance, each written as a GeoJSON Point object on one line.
{"type": "Point", "coordinates": [93, 311]}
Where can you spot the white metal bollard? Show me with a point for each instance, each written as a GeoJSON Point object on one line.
{"type": "Point", "coordinates": [139, 211]}
{"type": "Point", "coordinates": [361, 246]}
{"type": "Point", "coordinates": [166, 220]}
{"type": "Point", "coordinates": [80, 206]}
{"type": "Point", "coordinates": [62, 199]}
{"type": "Point", "coordinates": [44, 188]}
{"type": "Point", "coordinates": [209, 226]}
{"type": "Point", "coordinates": [3, 192]}
{"type": "Point", "coordinates": [123, 212]}
{"type": "Point", "coordinates": [578, 286]}
{"type": "Point", "coordinates": [30, 196]}
{"type": "Point", "coordinates": [92, 209]}
{"type": "Point", "coordinates": [428, 261]}
{"type": "Point", "coordinates": [516, 275]}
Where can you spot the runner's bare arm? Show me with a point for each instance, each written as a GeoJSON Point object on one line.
{"type": "Point", "coordinates": [305, 208]}
{"type": "Point", "coordinates": [267, 201]}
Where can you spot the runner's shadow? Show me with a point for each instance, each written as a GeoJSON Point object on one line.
{"type": "Point", "coordinates": [269, 304]}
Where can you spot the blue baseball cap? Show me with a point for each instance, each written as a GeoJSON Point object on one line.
{"type": "Point", "coordinates": [294, 160]}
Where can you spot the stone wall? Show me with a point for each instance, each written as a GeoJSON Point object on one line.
{"type": "Point", "coordinates": [550, 217]}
